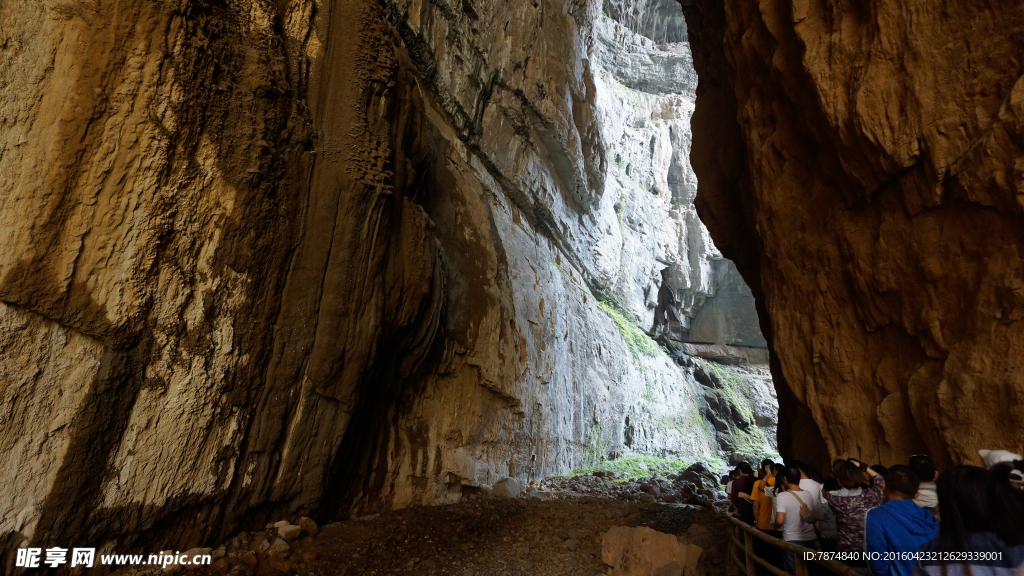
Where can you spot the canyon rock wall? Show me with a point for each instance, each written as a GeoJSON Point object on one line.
{"type": "Point", "coordinates": [729, 316]}
{"type": "Point", "coordinates": [861, 162]}
{"type": "Point", "coordinates": [265, 259]}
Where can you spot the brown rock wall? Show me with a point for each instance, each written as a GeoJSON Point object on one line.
{"type": "Point", "coordinates": [209, 244]}
{"type": "Point", "coordinates": [860, 163]}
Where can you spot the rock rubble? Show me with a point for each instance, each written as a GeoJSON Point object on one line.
{"type": "Point", "coordinates": [695, 486]}
{"type": "Point", "coordinates": [274, 550]}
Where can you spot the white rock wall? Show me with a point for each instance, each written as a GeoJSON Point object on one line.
{"type": "Point", "coordinates": [645, 94]}
{"type": "Point", "coordinates": [559, 254]}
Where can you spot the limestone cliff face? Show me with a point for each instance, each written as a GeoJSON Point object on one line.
{"type": "Point", "coordinates": [267, 258]}
{"type": "Point", "coordinates": [862, 164]}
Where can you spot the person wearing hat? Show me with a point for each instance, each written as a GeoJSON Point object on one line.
{"type": "Point", "coordinates": [993, 458]}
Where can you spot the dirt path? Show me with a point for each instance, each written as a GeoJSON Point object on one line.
{"type": "Point", "coordinates": [501, 537]}
{"type": "Point", "coordinates": [552, 532]}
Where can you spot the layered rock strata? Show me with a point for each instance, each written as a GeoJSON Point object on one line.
{"type": "Point", "coordinates": [862, 164]}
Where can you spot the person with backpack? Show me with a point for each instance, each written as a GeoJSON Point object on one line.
{"type": "Point", "coordinates": [817, 511]}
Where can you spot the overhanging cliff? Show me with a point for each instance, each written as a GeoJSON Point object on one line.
{"type": "Point", "coordinates": [861, 163]}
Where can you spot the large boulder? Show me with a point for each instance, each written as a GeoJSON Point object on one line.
{"type": "Point", "coordinates": [700, 476]}
{"type": "Point", "coordinates": [895, 310]}
{"type": "Point", "coordinates": [506, 488]}
{"type": "Point", "coordinates": [643, 551]}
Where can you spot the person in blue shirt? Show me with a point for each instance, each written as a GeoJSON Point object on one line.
{"type": "Point", "coordinates": [898, 526]}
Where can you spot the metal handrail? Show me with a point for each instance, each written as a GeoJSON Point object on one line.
{"type": "Point", "coordinates": [748, 568]}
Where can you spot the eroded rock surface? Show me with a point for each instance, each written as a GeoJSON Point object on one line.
{"type": "Point", "coordinates": [266, 259]}
{"type": "Point", "coordinates": [861, 163]}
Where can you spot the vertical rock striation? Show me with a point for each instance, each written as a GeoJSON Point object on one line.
{"type": "Point", "coordinates": [266, 258]}
{"type": "Point", "coordinates": [861, 163]}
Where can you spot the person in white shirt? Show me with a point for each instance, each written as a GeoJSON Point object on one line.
{"type": "Point", "coordinates": [817, 511]}
{"type": "Point", "coordinates": [794, 529]}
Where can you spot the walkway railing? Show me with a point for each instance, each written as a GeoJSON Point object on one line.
{"type": "Point", "coordinates": [747, 564]}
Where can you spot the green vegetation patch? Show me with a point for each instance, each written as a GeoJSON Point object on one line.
{"type": "Point", "coordinates": [597, 446]}
{"type": "Point", "coordinates": [684, 422]}
{"type": "Point", "coordinates": [637, 340]}
{"type": "Point", "coordinates": [737, 392]}
{"type": "Point", "coordinates": [630, 467]}
{"type": "Point", "coordinates": [734, 387]}
{"type": "Point", "coordinates": [642, 466]}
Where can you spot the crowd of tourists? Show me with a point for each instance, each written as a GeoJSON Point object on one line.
{"type": "Point", "coordinates": [905, 520]}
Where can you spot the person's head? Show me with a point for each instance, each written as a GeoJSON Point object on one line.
{"type": "Point", "coordinates": [963, 505]}
{"type": "Point", "coordinates": [923, 467]}
{"type": "Point", "coordinates": [725, 479]}
{"type": "Point", "coordinates": [745, 469]}
{"type": "Point", "coordinates": [851, 476]}
{"type": "Point", "coordinates": [993, 457]}
{"type": "Point", "coordinates": [830, 484]}
{"type": "Point", "coordinates": [836, 464]}
{"type": "Point", "coordinates": [901, 483]}
{"type": "Point", "coordinates": [766, 467]}
{"type": "Point", "coordinates": [790, 476]}
{"type": "Point", "coordinates": [778, 469]}
{"type": "Point", "coordinates": [811, 472]}
{"type": "Point", "coordinates": [735, 473]}
{"type": "Point", "coordinates": [799, 465]}
{"type": "Point", "coordinates": [879, 469]}
{"type": "Point", "coordinates": [1006, 502]}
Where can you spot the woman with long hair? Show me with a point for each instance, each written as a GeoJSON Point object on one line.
{"type": "Point", "coordinates": [968, 542]}
{"type": "Point", "coordinates": [1007, 504]}
{"type": "Point", "coordinates": [764, 512]}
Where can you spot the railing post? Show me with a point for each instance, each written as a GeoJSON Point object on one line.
{"type": "Point", "coordinates": [801, 566]}
{"type": "Point", "coordinates": [730, 559]}
{"type": "Point", "coordinates": [735, 565]}
{"type": "Point", "coordinates": [748, 548]}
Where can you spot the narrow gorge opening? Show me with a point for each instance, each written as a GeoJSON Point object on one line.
{"type": "Point", "coordinates": [656, 273]}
